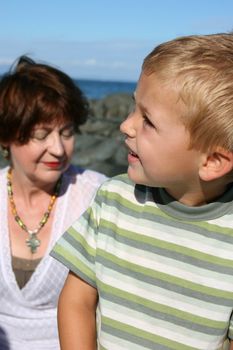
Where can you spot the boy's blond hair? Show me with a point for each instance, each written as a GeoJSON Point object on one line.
{"type": "Point", "coordinates": [200, 69]}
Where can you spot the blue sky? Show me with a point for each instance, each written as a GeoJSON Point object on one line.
{"type": "Point", "coordinates": [102, 39]}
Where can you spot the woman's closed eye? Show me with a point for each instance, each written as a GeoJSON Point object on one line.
{"type": "Point", "coordinates": [40, 134]}
{"type": "Point", "coordinates": [67, 132]}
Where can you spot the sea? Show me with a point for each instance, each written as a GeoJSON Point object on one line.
{"type": "Point", "coordinates": [98, 89]}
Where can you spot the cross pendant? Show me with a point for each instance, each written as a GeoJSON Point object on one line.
{"type": "Point", "coordinates": [33, 242]}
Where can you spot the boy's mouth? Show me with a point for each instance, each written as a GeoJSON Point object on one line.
{"type": "Point", "coordinates": [133, 154]}
{"type": "Point", "coordinates": [133, 158]}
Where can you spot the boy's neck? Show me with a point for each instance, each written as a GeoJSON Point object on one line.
{"type": "Point", "coordinates": [201, 195]}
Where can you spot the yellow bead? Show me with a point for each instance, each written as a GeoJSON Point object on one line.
{"type": "Point", "coordinates": [13, 207]}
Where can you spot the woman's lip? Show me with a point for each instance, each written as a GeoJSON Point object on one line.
{"type": "Point", "coordinates": [53, 164]}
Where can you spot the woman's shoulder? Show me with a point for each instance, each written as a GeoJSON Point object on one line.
{"type": "Point", "coordinates": [3, 171]}
{"type": "Point", "coordinates": [92, 177]}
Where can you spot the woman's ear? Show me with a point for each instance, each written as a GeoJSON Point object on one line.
{"type": "Point", "coordinates": [4, 150]}
{"type": "Point", "coordinates": [216, 164]}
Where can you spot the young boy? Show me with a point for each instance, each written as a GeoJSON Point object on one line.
{"type": "Point", "coordinates": [155, 248]}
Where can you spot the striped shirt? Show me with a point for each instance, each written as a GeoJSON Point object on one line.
{"type": "Point", "coordinates": [163, 271]}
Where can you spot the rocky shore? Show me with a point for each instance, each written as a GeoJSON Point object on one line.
{"type": "Point", "coordinates": [100, 146]}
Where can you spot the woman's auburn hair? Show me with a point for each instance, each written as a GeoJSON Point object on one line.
{"type": "Point", "coordinates": [35, 93]}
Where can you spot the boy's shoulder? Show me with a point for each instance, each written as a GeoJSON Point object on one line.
{"type": "Point", "coordinates": [118, 183]}
{"type": "Point", "coordinates": [123, 190]}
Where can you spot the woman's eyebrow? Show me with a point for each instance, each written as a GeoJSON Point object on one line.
{"type": "Point", "coordinates": [42, 128]}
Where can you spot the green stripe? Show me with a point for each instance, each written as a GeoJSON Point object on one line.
{"type": "Point", "coordinates": [117, 198]}
{"type": "Point", "coordinates": [80, 239]}
{"type": "Point", "coordinates": [167, 245]}
{"type": "Point", "coordinates": [63, 254]}
{"type": "Point", "coordinates": [161, 308]}
{"type": "Point", "coordinates": [137, 208]}
{"type": "Point", "coordinates": [163, 276]}
{"type": "Point", "coordinates": [143, 334]}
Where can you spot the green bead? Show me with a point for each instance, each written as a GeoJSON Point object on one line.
{"type": "Point", "coordinates": [33, 242]}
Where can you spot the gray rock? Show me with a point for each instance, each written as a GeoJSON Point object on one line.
{"type": "Point", "coordinates": [101, 144]}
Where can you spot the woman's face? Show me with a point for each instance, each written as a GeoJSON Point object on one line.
{"type": "Point", "coordinates": [46, 155]}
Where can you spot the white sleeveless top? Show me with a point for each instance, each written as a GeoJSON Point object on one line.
{"type": "Point", "coordinates": [28, 316]}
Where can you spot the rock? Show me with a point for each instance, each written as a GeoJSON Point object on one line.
{"type": "Point", "coordinates": [113, 107]}
{"type": "Point", "coordinates": [3, 162]}
{"type": "Point", "coordinates": [101, 144]}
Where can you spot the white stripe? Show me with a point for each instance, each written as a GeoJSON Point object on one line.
{"type": "Point", "coordinates": [225, 221]}
{"type": "Point", "coordinates": [158, 327]}
{"type": "Point", "coordinates": [78, 226]}
{"type": "Point", "coordinates": [166, 298]}
{"type": "Point", "coordinates": [154, 262]}
{"type": "Point", "coordinates": [171, 235]}
{"type": "Point", "coordinates": [114, 343]}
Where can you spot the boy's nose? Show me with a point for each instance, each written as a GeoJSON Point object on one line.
{"type": "Point", "coordinates": [127, 126]}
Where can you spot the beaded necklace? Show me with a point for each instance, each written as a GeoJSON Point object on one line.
{"type": "Point", "coordinates": [33, 242]}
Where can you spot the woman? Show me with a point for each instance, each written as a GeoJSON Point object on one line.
{"type": "Point", "coordinates": [41, 195]}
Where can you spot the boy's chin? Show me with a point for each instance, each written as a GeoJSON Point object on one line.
{"type": "Point", "coordinates": [137, 179]}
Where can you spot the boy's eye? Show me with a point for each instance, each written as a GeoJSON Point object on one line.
{"type": "Point", "coordinates": [147, 121]}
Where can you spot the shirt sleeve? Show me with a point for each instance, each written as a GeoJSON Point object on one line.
{"type": "Point", "coordinates": [76, 249]}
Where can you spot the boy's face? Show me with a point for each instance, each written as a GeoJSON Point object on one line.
{"type": "Point", "coordinates": [158, 141]}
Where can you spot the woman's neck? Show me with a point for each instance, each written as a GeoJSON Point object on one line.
{"type": "Point", "coordinates": [28, 191]}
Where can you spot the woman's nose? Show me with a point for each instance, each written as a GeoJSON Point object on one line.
{"type": "Point", "coordinates": [56, 146]}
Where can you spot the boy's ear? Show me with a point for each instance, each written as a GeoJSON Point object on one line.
{"type": "Point", "coordinates": [216, 164]}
